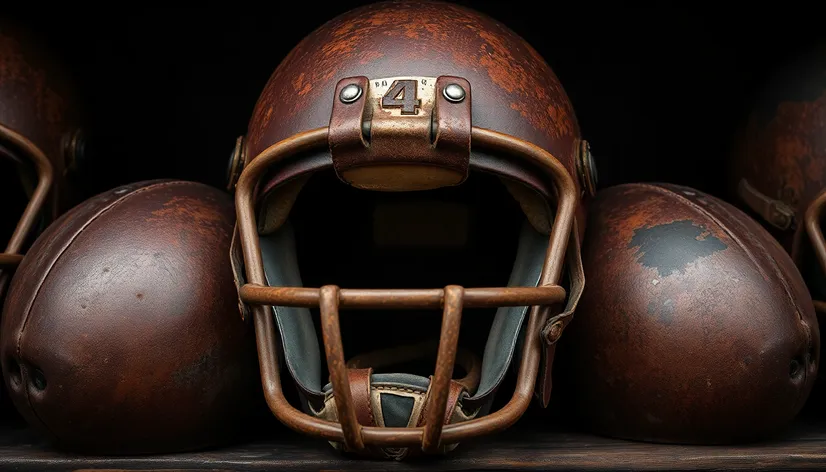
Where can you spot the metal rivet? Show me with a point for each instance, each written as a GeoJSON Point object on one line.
{"type": "Point", "coordinates": [350, 93]}
{"type": "Point", "coordinates": [454, 93]}
{"type": "Point", "coordinates": [553, 334]}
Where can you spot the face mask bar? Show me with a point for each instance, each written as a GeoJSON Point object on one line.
{"type": "Point", "coordinates": [812, 221]}
{"type": "Point", "coordinates": [11, 257]}
{"type": "Point", "coordinates": [452, 299]}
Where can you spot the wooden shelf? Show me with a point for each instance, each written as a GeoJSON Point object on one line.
{"type": "Point", "coordinates": [525, 447]}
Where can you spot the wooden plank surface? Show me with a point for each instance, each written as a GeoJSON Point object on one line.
{"type": "Point", "coordinates": [524, 447]}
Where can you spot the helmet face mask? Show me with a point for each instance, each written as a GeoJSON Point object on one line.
{"type": "Point", "coordinates": [39, 141]}
{"type": "Point", "coordinates": [13, 146]}
{"type": "Point", "coordinates": [539, 263]}
{"type": "Point", "coordinates": [778, 165]}
{"type": "Point", "coordinates": [400, 162]}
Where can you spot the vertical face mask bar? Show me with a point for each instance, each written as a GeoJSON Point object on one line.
{"type": "Point", "coordinates": [11, 257]}
{"type": "Point", "coordinates": [333, 346]}
{"type": "Point", "coordinates": [445, 360]}
{"type": "Point", "coordinates": [812, 221]}
{"type": "Point", "coordinates": [256, 293]}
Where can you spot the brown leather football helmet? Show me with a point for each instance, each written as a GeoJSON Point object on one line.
{"type": "Point", "coordinates": [779, 164]}
{"type": "Point", "coordinates": [121, 332]}
{"type": "Point", "coordinates": [695, 325]}
{"type": "Point", "coordinates": [404, 144]}
{"type": "Point", "coordinates": [40, 139]}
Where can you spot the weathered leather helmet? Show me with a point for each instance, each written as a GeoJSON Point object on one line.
{"type": "Point", "coordinates": [694, 327]}
{"type": "Point", "coordinates": [409, 144]}
{"type": "Point", "coordinates": [121, 332]}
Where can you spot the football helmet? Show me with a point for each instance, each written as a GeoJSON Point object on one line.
{"type": "Point", "coordinates": [779, 164]}
{"type": "Point", "coordinates": [40, 141]}
{"type": "Point", "coordinates": [121, 333]}
{"type": "Point", "coordinates": [695, 325]}
{"type": "Point", "coordinates": [406, 143]}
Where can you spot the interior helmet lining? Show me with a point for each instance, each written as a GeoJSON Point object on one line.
{"type": "Point", "coordinates": [359, 239]}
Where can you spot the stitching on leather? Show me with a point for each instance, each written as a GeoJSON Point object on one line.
{"type": "Point", "coordinates": [370, 398]}
{"type": "Point", "coordinates": [66, 245]}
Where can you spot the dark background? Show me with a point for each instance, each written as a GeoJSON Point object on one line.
{"type": "Point", "coordinates": [659, 92]}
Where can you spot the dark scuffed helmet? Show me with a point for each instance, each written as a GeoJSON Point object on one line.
{"type": "Point", "coordinates": [121, 332]}
{"type": "Point", "coordinates": [695, 326]}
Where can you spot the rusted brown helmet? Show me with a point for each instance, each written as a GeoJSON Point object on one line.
{"type": "Point", "coordinates": [779, 164]}
{"type": "Point", "coordinates": [421, 145]}
{"type": "Point", "coordinates": [40, 140]}
{"type": "Point", "coordinates": [694, 327]}
{"type": "Point", "coordinates": [121, 331]}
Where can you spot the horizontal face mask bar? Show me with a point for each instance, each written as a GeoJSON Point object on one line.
{"type": "Point", "coordinates": [11, 257]}
{"type": "Point", "coordinates": [416, 299]}
{"type": "Point", "coordinates": [330, 298]}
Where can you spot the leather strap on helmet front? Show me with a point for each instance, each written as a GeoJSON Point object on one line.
{"type": "Point", "coordinates": [400, 133]}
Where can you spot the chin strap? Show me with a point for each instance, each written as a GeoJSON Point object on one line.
{"type": "Point", "coordinates": [775, 212]}
{"type": "Point", "coordinates": [553, 328]}
{"type": "Point", "coordinates": [384, 358]}
{"type": "Point", "coordinates": [372, 398]}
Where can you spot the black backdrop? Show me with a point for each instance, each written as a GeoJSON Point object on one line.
{"type": "Point", "coordinates": [658, 91]}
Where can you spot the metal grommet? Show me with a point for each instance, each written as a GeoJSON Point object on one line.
{"type": "Point", "coordinates": [454, 93]}
{"type": "Point", "coordinates": [350, 93]}
{"type": "Point", "coordinates": [553, 332]}
{"type": "Point", "coordinates": [74, 150]}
